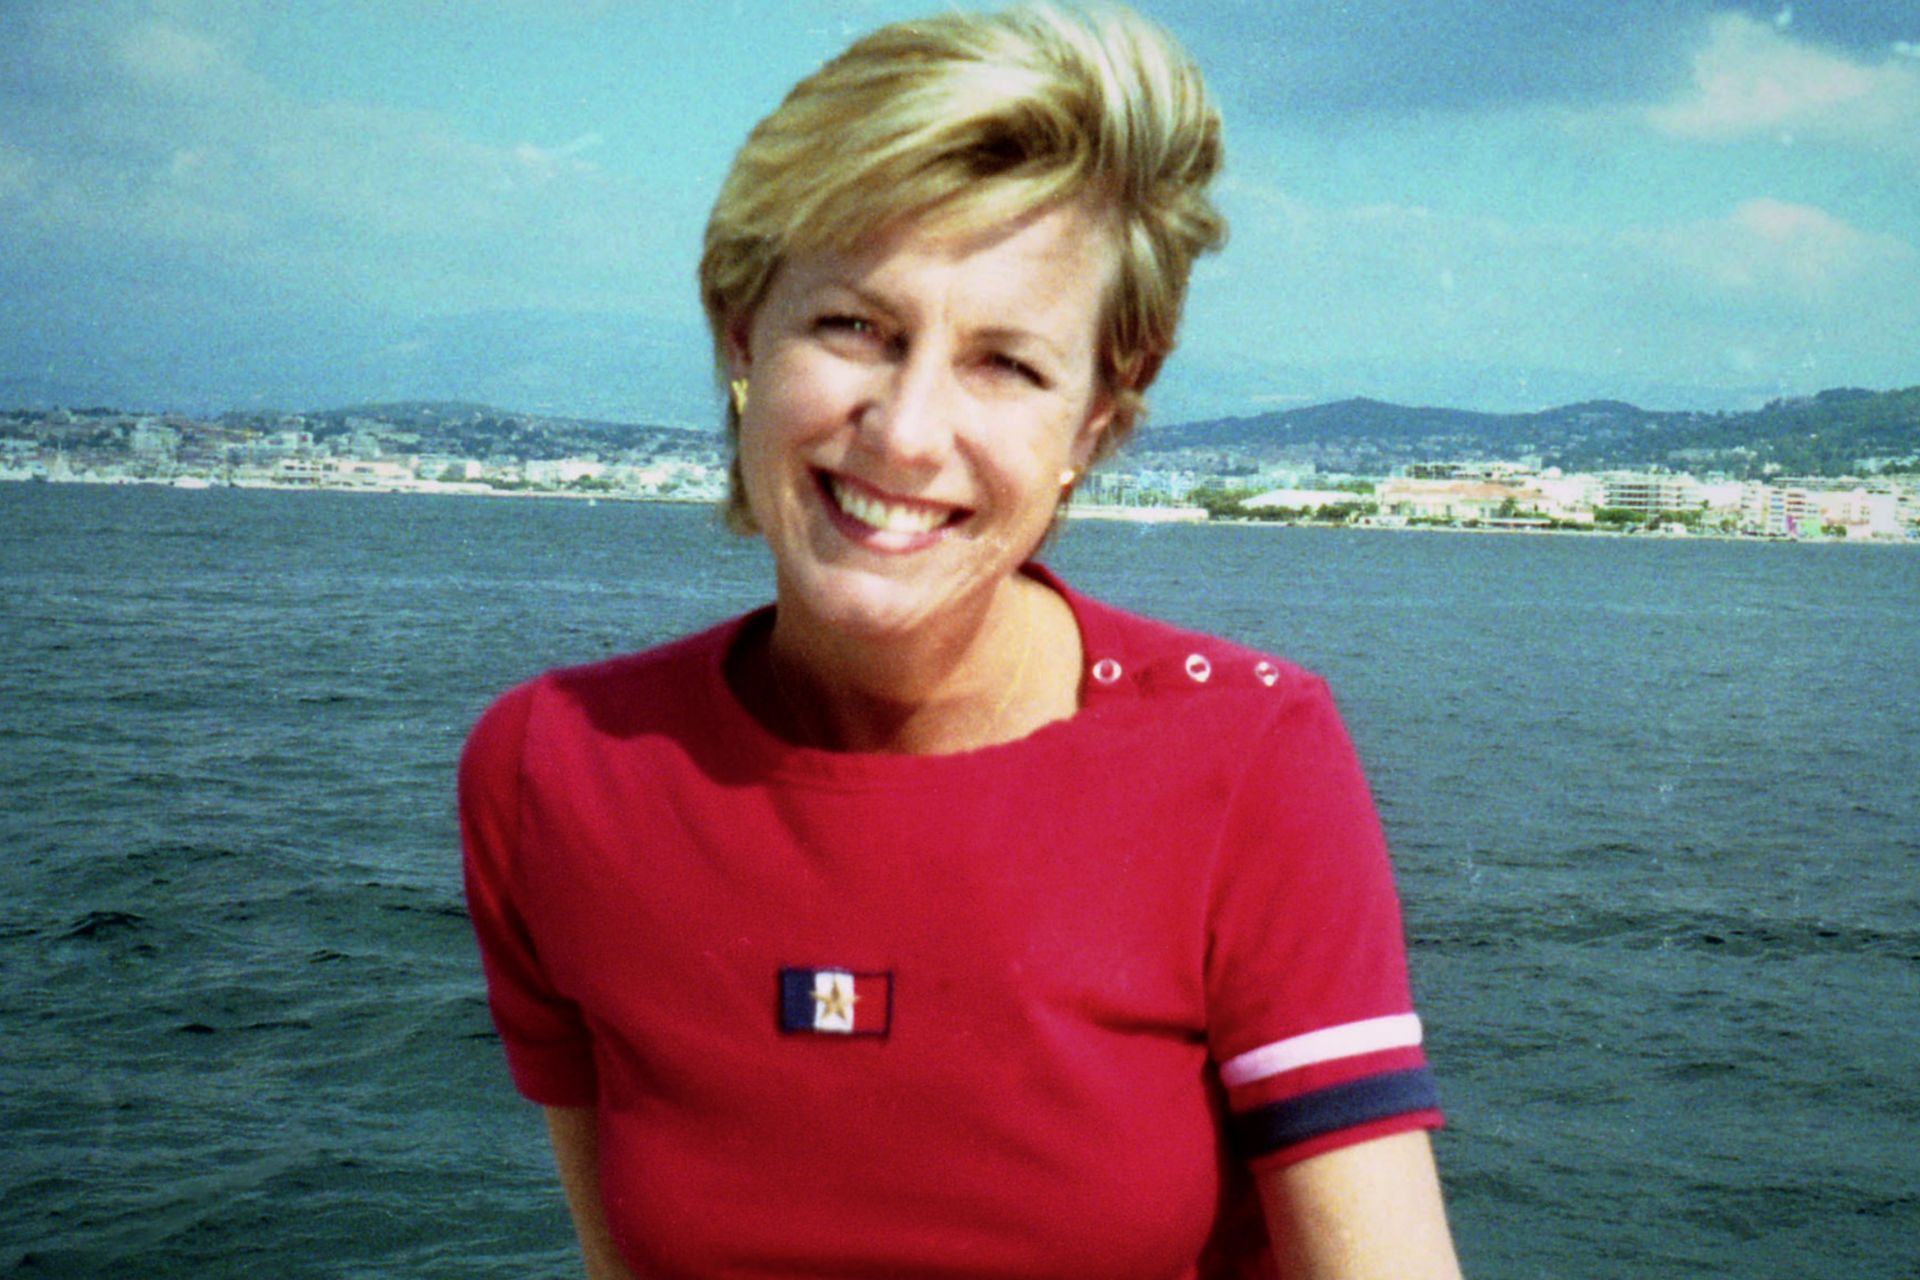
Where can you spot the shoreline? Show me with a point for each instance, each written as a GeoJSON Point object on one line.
{"type": "Point", "coordinates": [1151, 516]}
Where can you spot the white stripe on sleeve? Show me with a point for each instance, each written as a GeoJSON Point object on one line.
{"type": "Point", "coordinates": [1350, 1040]}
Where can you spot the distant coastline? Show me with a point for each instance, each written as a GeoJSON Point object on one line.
{"type": "Point", "coordinates": [1079, 511]}
{"type": "Point", "coordinates": [1593, 469]}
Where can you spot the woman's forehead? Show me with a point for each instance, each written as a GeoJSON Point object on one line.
{"type": "Point", "coordinates": [1057, 259]}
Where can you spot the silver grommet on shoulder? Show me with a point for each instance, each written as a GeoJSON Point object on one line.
{"type": "Point", "coordinates": [1267, 672]}
{"type": "Point", "coordinates": [1106, 671]}
{"type": "Point", "coordinates": [1198, 667]}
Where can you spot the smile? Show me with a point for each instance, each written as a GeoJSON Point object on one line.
{"type": "Point", "coordinates": [887, 513]}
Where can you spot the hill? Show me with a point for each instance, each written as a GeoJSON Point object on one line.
{"type": "Point", "coordinates": [1837, 432]}
{"type": "Point", "coordinates": [1845, 431]}
{"type": "Point", "coordinates": [461, 429]}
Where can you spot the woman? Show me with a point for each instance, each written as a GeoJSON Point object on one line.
{"type": "Point", "coordinates": [938, 920]}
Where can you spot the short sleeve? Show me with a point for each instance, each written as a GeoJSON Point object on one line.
{"type": "Point", "coordinates": [549, 1050]}
{"type": "Point", "coordinates": [1310, 1014]}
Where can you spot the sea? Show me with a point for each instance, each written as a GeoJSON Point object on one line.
{"type": "Point", "coordinates": [1655, 808]}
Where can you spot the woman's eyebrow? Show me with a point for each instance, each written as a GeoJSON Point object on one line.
{"type": "Point", "coordinates": [838, 284]}
{"type": "Point", "coordinates": [1015, 336]}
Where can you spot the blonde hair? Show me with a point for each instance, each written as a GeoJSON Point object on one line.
{"type": "Point", "coordinates": [976, 119]}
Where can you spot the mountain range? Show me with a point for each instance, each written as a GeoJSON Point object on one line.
{"type": "Point", "coordinates": [1844, 431]}
{"type": "Point", "coordinates": [1836, 432]}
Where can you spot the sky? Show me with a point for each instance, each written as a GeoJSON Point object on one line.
{"type": "Point", "coordinates": [221, 204]}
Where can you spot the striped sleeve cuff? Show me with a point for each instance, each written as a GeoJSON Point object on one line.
{"type": "Point", "coordinates": [1357, 1077]}
{"type": "Point", "coordinates": [1292, 1121]}
{"type": "Point", "coordinates": [1350, 1040]}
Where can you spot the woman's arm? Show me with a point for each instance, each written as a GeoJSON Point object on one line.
{"type": "Point", "coordinates": [576, 1151]}
{"type": "Point", "coordinates": [1366, 1212]}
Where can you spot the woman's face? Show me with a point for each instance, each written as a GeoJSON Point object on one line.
{"type": "Point", "coordinates": [911, 408]}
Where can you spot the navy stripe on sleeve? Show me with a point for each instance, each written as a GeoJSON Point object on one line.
{"type": "Point", "coordinates": [1342, 1106]}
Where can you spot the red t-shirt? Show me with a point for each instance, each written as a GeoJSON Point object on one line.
{"type": "Point", "coordinates": [1024, 1011]}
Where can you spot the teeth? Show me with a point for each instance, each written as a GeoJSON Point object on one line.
{"type": "Point", "coordinates": [888, 517]}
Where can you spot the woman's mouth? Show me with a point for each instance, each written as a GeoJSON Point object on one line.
{"type": "Point", "coordinates": [886, 513]}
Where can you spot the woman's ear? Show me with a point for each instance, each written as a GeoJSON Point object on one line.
{"type": "Point", "coordinates": [1086, 441]}
{"type": "Point", "coordinates": [739, 347]}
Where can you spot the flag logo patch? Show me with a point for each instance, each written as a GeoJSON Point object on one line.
{"type": "Point", "coordinates": [836, 1002]}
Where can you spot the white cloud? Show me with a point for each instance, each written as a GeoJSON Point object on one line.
{"type": "Point", "coordinates": [16, 171]}
{"type": "Point", "coordinates": [1755, 80]}
{"type": "Point", "coordinates": [167, 147]}
{"type": "Point", "coordinates": [1661, 301]}
{"type": "Point", "coordinates": [585, 142]}
{"type": "Point", "coordinates": [170, 59]}
{"type": "Point", "coordinates": [1772, 247]}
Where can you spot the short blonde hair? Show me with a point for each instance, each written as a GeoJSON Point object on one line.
{"type": "Point", "coordinates": [976, 119]}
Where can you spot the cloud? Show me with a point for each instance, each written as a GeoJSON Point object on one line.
{"type": "Point", "coordinates": [1773, 247]}
{"type": "Point", "coordinates": [16, 171]}
{"type": "Point", "coordinates": [171, 59]}
{"type": "Point", "coordinates": [1745, 299]}
{"type": "Point", "coordinates": [1339, 58]}
{"type": "Point", "coordinates": [585, 142]}
{"type": "Point", "coordinates": [141, 145]}
{"type": "Point", "coordinates": [1754, 80]}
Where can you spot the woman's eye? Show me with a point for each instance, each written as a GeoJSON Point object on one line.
{"type": "Point", "coordinates": [855, 325]}
{"type": "Point", "coordinates": [1018, 368]}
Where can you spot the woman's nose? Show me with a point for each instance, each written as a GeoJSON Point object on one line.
{"type": "Point", "coordinates": [912, 416]}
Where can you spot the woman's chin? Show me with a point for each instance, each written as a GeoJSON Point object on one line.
{"type": "Point", "coordinates": [875, 605]}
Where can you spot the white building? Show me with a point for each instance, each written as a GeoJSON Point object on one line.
{"type": "Point", "coordinates": [1651, 494]}
{"type": "Point", "coordinates": [1789, 511]}
{"type": "Point", "coordinates": [562, 471]}
{"type": "Point", "coordinates": [1863, 514]}
{"type": "Point", "coordinates": [1449, 499]}
{"type": "Point", "coordinates": [1305, 499]}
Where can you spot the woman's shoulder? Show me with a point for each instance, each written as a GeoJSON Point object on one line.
{"type": "Point", "coordinates": [672, 661]}
{"type": "Point", "coordinates": [614, 691]}
{"type": "Point", "coordinates": [1132, 653]}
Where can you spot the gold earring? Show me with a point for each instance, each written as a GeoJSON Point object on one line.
{"type": "Point", "coordinates": [739, 395]}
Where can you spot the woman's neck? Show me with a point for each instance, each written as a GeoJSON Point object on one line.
{"type": "Point", "coordinates": [1012, 670]}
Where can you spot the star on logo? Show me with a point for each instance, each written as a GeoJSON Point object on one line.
{"type": "Point", "coordinates": [836, 998]}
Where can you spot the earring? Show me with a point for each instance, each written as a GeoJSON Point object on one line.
{"type": "Point", "coordinates": [739, 395]}
{"type": "Point", "coordinates": [1067, 476]}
